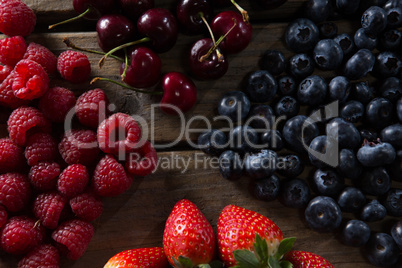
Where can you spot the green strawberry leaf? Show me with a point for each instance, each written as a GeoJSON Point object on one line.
{"type": "Point", "coordinates": [286, 264]}
{"type": "Point", "coordinates": [183, 262]}
{"type": "Point", "coordinates": [261, 249]}
{"type": "Point", "coordinates": [273, 263]}
{"type": "Point", "coordinates": [245, 259]}
{"type": "Point", "coordinates": [285, 246]}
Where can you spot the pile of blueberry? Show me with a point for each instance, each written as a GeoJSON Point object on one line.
{"type": "Point", "coordinates": [344, 123]}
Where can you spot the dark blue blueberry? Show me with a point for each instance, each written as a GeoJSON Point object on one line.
{"type": "Point", "coordinates": [373, 211]}
{"type": "Point", "coordinates": [323, 152]}
{"type": "Point", "coordinates": [235, 105]}
{"type": "Point", "coordinates": [339, 88]}
{"type": "Point", "coordinates": [287, 85]}
{"type": "Point", "coordinates": [395, 169]}
{"type": "Point", "coordinates": [349, 166]}
{"type": "Point", "coordinates": [290, 166]}
{"type": "Point", "coordinates": [261, 164]}
{"type": "Point", "coordinates": [327, 182]}
{"type": "Point", "coordinates": [399, 109]}
{"type": "Point", "coordinates": [392, 134]}
{"type": "Point", "coordinates": [351, 199]}
{"type": "Point", "coordinates": [387, 64]}
{"type": "Point", "coordinates": [381, 250]}
{"type": "Point", "coordinates": [273, 61]}
{"type": "Point", "coordinates": [363, 92]}
{"type": "Point", "coordinates": [347, 7]}
{"type": "Point", "coordinates": [243, 139]}
{"type": "Point", "coordinates": [391, 40]}
{"type": "Point", "coordinates": [272, 139]}
{"type": "Point", "coordinates": [346, 43]}
{"type": "Point", "coordinates": [344, 133]}
{"type": "Point", "coordinates": [267, 189]}
{"type": "Point", "coordinates": [301, 35]}
{"type": "Point", "coordinates": [230, 165]}
{"type": "Point", "coordinates": [396, 233]}
{"type": "Point", "coordinates": [327, 54]}
{"type": "Point", "coordinates": [359, 65]}
{"type": "Point", "coordinates": [393, 10]}
{"type": "Point", "coordinates": [379, 113]}
{"type": "Point", "coordinates": [328, 29]}
{"type": "Point", "coordinates": [355, 233]}
{"type": "Point", "coordinates": [391, 88]}
{"type": "Point", "coordinates": [392, 201]}
{"type": "Point", "coordinates": [212, 142]}
{"type": "Point", "coordinates": [352, 111]}
{"type": "Point", "coordinates": [376, 153]}
{"type": "Point", "coordinates": [374, 181]}
{"type": "Point", "coordinates": [301, 65]}
{"type": "Point", "coordinates": [287, 106]}
{"type": "Point", "coordinates": [261, 86]}
{"type": "Point", "coordinates": [261, 116]}
{"type": "Point", "coordinates": [312, 90]}
{"type": "Point", "coordinates": [294, 193]}
{"type": "Point", "coordinates": [298, 132]}
{"type": "Point", "coordinates": [323, 214]}
{"type": "Point", "coordinates": [365, 40]}
{"type": "Point", "coordinates": [368, 135]}
{"type": "Point", "coordinates": [374, 20]}
{"type": "Point", "coordinates": [318, 10]}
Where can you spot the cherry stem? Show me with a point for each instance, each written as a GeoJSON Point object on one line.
{"type": "Point", "coordinates": [102, 60]}
{"type": "Point", "coordinates": [126, 86]}
{"type": "Point", "coordinates": [208, 27]}
{"type": "Point", "coordinates": [243, 12]}
{"type": "Point", "coordinates": [123, 75]}
{"type": "Point", "coordinates": [71, 19]}
{"type": "Point", "coordinates": [69, 43]}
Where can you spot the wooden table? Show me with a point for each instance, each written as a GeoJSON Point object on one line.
{"type": "Point", "coordinates": [137, 217]}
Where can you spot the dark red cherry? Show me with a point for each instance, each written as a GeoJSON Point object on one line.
{"type": "Point", "coordinates": [179, 91]}
{"type": "Point", "coordinates": [160, 26]}
{"type": "Point", "coordinates": [144, 69]}
{"type": "Point", "coordinates": [189, 14]}
{"type": "Point", "coordinates": [271, 4]}
{"type": "Point", "coordinates": [207, 67]}
{"type": "Point", "coordinates": [238, 38]}
{"type": "Point", "coordinates": [134, 8]}
{"type": "Point", "coordinates": [114, 30]}
{"type": "Point", "coordinates": [96, 8]}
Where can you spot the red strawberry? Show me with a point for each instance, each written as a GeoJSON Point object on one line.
{"type": "Point", "coordinates": [188, 236]}
{"type": "Point", "coordinates": [139, 257]}
{"type": "Point", "coordinates": [303, 259]}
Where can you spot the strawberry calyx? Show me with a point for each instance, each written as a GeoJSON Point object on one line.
{"type": "Point", "coordinates": [184, 262]}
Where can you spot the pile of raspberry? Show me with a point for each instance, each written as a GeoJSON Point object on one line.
{"type": "Point", "coordinates": [52, 179]}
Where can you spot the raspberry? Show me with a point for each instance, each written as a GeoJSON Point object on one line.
{"type": "Point", "coordinates": [12, 50]}
{"type": "Point", "coordinates": [15, 191]}
{"type": "Point", "coordinates": [16, 18]}
{"type": "Point", "coordinates": [79, 147]}
{"type": "Point", "coordinates": [143, 161]}
{"type": "Point", "coordinates": [56, 103]}
{"type": "Point", "coordinates": [21, 234]}
{"type": "Point", "coordinates": [25, 120]}
{"type": "Point", "coordinates": [40, 147]}
{"type": "Point", "coordinates": [73, 180]}
{"type": "Point", "coordinates": [119, 133]}
{"type": "Point", "coordinates": [72, 238]}
{"type": "Point", "coordinates": [7, 97]}
{"type": "Point", "coordinates": [43, 56]}
{"type": "Point", "coordinates": [11, 156]}
{"type": "Point", "coordinates": [110, 178]}
{"type": "Point", "coordinates": [47, 208]}
{"type": "Point", "coordinates": [74, 66]}
{"type": "Point", "coordinates": [45, 256]}
{"type": "Point", "coordinates": [3, 215]}
{"type": "Point", "coordinates": [43, 176]}
{"type": "Point", "coordinates": [87, 206]}
{"type": "Point", "coordinates": [5, 70]}
{"type": "Point", "coordinates": [30, 80]}
{"type": "Point", "coordinates": [91, 107]}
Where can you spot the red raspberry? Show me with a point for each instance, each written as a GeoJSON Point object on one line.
{"type": "Point", "coordinates": [47, 208]}
{"type": "Point", "coordinates": [91, 107]}
{"type": "Point", "coordinates": [87, 206]}
{"type": "Point", "coordinates": [5, 70]}
{"type": "Point", "coordinates": [73, 180]}
{"type": "Point", "coordinates": [3, 215]}
{"type": "Point", "coordinates": [45, 256]}
{"type": "Point", "coordinates": [30, 81]}
{"type": "Point", "coordinates": [56, 103]}
{"type": "Point", "coordinates": [72, 238]}
{"type": "Point", "coordinates": [143, 161]}
{"type": "Point", "coordinates": [40, 147]}
{"type": "Point", "coordinates": [43, 56]}
{"type": "Point", "coordinates": [79, 147]}
{"type": "Point", "coordinates": [110, 178]}
{"type": "Point", "coordinates": [44, 175]}
{"type": "Point", "coordinates": [119, 133]}
{"type": "Point", "coordinates": [20, 235]}
{"type": "Point", "coordinates": [11, 156]}
{"type": "Point", "coordinates": [15, 191]}
{"type": "Point", "coordinates": [74, 66]}
{"type": "Point", "coordinates": [7, 97]}
{"type": "Point", "coordinates": [16, 18]}
{"type": "Point", "coordinates": [12, 50]}
{"type": "Point", "coordinates": [26, 120]}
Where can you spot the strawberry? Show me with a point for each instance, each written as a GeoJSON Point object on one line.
{"type": "Point", "coordinates": [140, 257]}
{"type": "Point", "coordinates": [188, 238]}
{"type": "Point", "coordinates": [303, 259]}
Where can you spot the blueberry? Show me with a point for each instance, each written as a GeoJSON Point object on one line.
{"type": "Point", "coordinates": [312, 90]}
{"type": "Point", "coordinates": [376, 153]}
{"type": "Point", "coordinates": [290, 166]}
{"type": "Point", "coordinates": [261, 164]}
{"type": "Point", "coordinates": [286, 85]}
{"type": "Point", "coordinates": [301, 35]}
{"type": "Point", "coordinates": [391, 40]}
{"type": "Point", "coordinates": [261, 116]}
{"type": "Point", "coordinates": [360, 64]}
{"type": "Point", "coordinates": [393, 135]}
{"type": "Point", "coordinates": [373, 211]}
{"type": "Point", "coordinates": [379, 113]}
{"type": "Point", "coordinates": [235, 105]}
{"type": "Point", "coordinates": [393, 10]}
{"type": "Point", "coordinates": [391, 88]}
{"type": "Point", "coordinates": [351, 199]}
{"type": "Point", "coordinates": [374, 20]}
{"type": "Point", "coordinates": [392, 201]}
{"type": "Point", "coordinates": [261, 86]}
{"type": "Point", "coordinates": [230, 165]}
{"type": "Point", "coordinates": [267, 189]}
{"type": "Point", "coordinates": [395, 169]}
{"type": "Point", "coordinates": [287, 106]}
{"type": "Point", "coordinates": [381, 250]}
{"type": "Point", "coordinates": [323, 214]}
{"type": "Point", "coordinates": [363, 92]}
{"type": "Point", "coordinates": [365, 40]}
{"type": "Point", "coordinates": [399, 109]}
{"type": "Point", "coordinates": [346, 43]}
{"type": "Point", "coordinates": [387, 64]}
{"type": "Point", "coordinates": [298, 132]}
{"type": "Point", "coordinates": [318, 10]}
{"type": "Point", "coordinates": [355, 233]}
{"type": "Point", "coordinates": [396, 233]}
{"type": "Point", "coordinates": [347, 7]}
{"type": "Point", "coordinates": [212, 142]}
{"type": "Point", "coordinates": [352, 111]}
{"type": "Point", "coordinates": [273, 61]}
{"type": "Point", "coordinates": [301, 65]}
{"type": "Point", "coordinates": [375, 181]}
{"type": "Point", "coordinates": [344, 133]}
{"type": "Point", "coordinates": [323, 152]}
{"type": "Point", "coordinates": [327, 54]}
{"type": "Point", "coordinates": [328, 29]}
{"type": "Point", "coordinates": [339, 88]}
{"type": "Point", "coordinates": [349, 166]}
{"type": "Point", "coordinates": [327, 182]}
{"type": "Point", "coordinates": [272, 139]}
{"type": "Point", "coordinates": [243, 139]}
{"type": "Point", "coordinates": [368, 135]}
{"type": "Point", "coordinates": [294, 193]}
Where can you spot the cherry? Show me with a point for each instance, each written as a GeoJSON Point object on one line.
{"type": "Point", "coordinates": [191, 15]}
{"type": "Point", "coordinates": [134, 8]}
{"type": "Point", "coordinates": [271, 4]}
